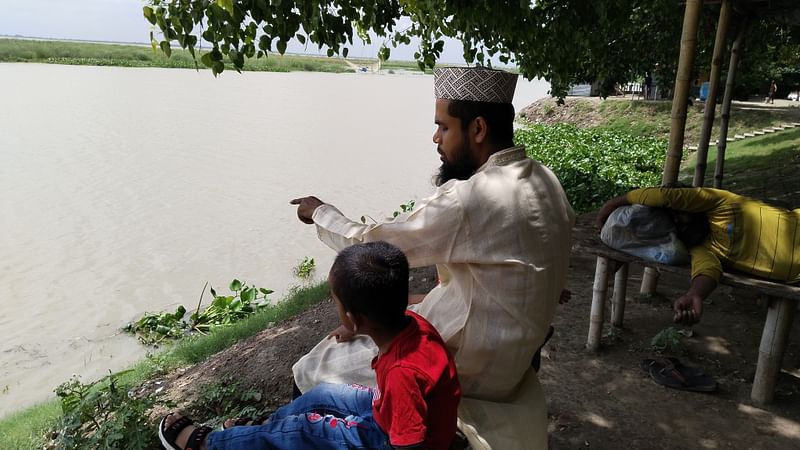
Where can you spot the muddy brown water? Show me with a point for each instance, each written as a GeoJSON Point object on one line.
{"type": "Point", "coordinates": [124, 190]}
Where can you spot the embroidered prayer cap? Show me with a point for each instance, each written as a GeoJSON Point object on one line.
{"type": "Point", "coordinates": [474, 83]}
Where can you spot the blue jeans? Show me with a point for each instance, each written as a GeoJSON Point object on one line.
{"type": "Point", "coordinates": [330, 416]}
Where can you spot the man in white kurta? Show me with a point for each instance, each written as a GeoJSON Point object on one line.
{"type": "Point", "coordinates": [501, 241]}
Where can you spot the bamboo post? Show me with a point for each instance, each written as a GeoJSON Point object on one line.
{"type": "Point", "coordinates": [599, 291]}
{"type": "Point", "coordinates": [649, 281]}
{"type": "Point", "coordinates": [711, 100]}
{"type": "Point", "coordinates": [772, 348]}
{"type": "Point", "coordinates": [725, 115]}
{"type": "Point", "coordinates": [680, 98]}
{"type": "Point", "coordinates": [620, 291]}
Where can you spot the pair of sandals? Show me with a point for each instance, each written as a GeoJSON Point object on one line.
{"type": "Point", "coordinates": [670, 372]}
{"type": "Point", "coordinates": [169, 434]}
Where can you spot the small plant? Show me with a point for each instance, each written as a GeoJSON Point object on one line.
{"type": "Point", "coordinates": [404, 208]}
{"type": "Point", "coordinates": [305, 268]}
{"type": "Point", "coordinates": [220, 400]}
{"type": "Point", "coordinates": [153, 329]}
{"type": "Point", "coordinates": [668, 340]}
{"type": "Point", "coordinates": [102, 415]}
{"type": "Point", "coordinates": [227, 309]}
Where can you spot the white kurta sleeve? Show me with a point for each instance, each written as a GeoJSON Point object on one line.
{"type": "Point", "coordinates": [431, 233]}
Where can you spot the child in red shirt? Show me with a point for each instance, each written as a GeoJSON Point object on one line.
{"type": "Point", "coordinates": [416, 400]}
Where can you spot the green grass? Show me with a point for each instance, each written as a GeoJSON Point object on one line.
{"type": "Point", "coordinates": [24, 429]}
{"type": "Point", "coordinates": [764, 167]}
{"type": "Point", "coordinates": [653, 119]}
{"type": "Point", "coordinates": [79, 53]}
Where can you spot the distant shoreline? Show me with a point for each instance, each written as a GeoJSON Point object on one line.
{"type": "Point", "coordinates": [92, 53]}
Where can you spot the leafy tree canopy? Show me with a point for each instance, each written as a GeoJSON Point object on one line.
{"type": "Point", "coordinates": [562, 41]}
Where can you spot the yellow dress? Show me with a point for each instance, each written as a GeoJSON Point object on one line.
{"type": "Point", "coordinates": [746, 235]}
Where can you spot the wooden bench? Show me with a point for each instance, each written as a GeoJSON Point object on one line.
{"type": "Point", "coordinates": [782, 301]}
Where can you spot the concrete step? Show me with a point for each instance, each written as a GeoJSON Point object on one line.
{"type": "Point", "coordinates": [738, 137]}
{"type": "Point", "coordinates": [768, 130]}
{"type": "Point", "coordinates": [749, 135]}
{"type": "Point", "coordinates": [758, 133]}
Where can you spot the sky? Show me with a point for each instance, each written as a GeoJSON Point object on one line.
{"type": "Point", "coordinates": [122, 21]}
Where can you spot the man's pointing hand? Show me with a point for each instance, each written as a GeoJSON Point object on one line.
{"type": "Point", "coordinates": [306, 207]}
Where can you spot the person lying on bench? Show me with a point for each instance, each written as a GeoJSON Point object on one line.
{"type": "Point", "coordinates": [723, 230]}
{"type": "Point", "coordinates": [416, 401]}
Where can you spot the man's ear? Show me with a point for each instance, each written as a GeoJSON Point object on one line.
{"type": "Point", "coordinates": [479, 130]}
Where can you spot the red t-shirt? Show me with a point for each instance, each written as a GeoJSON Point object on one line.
{"type": "Point", "coordinates": [418, 392]}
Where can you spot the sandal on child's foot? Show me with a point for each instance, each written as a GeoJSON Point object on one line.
{"type": "Point", "coordinates": [169, 433]}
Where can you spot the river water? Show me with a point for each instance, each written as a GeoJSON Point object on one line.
{"type": "Point", "coordinates": [125, 190]}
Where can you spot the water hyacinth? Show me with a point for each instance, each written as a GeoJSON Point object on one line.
{"type": "Point", "coordinates": [594, 165]}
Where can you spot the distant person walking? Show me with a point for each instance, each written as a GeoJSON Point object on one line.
{"type": "Point", "coordinates": [773, 88]}
{"type": "Point", "coordinates": [648, 85]}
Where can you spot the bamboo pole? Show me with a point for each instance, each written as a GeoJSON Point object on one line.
{"type": "Point", "coordinates": [620, 292]}
{"type": "Point", "coordinates": [599, 291]}
{"type": "Point", "coordinates": [711, 100]}
{"type": "Point", "coordinates": [649, 281]}
{"type": "Point", "coordinates": [725, 114]}
{"type": "Point", "coordinates": [680, 97]}
{"type": "Point", "coordinates": [773, 346]}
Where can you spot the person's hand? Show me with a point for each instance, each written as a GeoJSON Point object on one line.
{"type": "Point", "coordinates": [342, 334]}
{"type": "Point", "coordinates": [565, 296]}
{"type": "Point", "coordinates": [306, 207]}
{"type": "Point", "coordinates": [688, 309]}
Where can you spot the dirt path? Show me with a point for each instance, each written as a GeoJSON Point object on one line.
{"type": "Point", "coordinates": [601, 401]}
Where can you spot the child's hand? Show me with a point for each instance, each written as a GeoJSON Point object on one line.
{"type": "Point", "coordinates": [341, 334]}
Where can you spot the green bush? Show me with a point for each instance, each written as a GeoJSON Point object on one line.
{"type": "Point", "coordinates": [103, 415]}
{"type": "Point", "coordinates": [594, 165]}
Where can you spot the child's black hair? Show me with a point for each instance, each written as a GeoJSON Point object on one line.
{"type": "Point", "coordinates": [371, 279]}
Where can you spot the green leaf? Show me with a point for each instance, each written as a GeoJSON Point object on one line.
{"type": "Point", "coordinates": [217, 68]}
{"type": "Point", "coordinates": [301, 38]}
{"type": "Point", "coordinates": [208, 61]}
{"type": "Point", "coordinates": [248, 295]}
{"type": "Point", "coordinates": [266, 291]}
{"type": "Point", "coordinates": [383, 53]}
{"type": "Point", "coordinates": [281, 45]}
{"type": "Point", "coordinates": [227, 5]}
{"type": "Point", "coordinates": [236, 285]}
{"type": "Point", "coordinates": [149, 14]}
{"type": "Point", "coordinates": [166, 48]}
{"type": "Point", "coordinates": [345, 51]}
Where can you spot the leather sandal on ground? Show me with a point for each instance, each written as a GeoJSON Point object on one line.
{"type": "Point", "coordinates": [169, 435]}
{"type": "Point", "coordinates": [670, 372]}
{"type": "Point", "coordinates": [687, 371]}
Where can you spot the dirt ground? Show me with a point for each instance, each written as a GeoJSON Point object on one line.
{"type": "Point", "coordinates": [599, 401]}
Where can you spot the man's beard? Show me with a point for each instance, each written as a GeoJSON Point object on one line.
{"type": "Point", "coordinates": [461, 168]}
